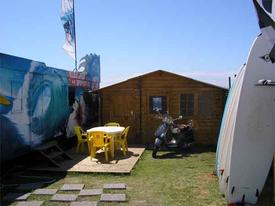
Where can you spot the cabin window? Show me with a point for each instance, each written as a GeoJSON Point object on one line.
{"type": "Point", "coordinates": [187, 104]}
{"type": "Point", "coordinates": [158, 104]}
{"type": "Point", "coordinates": [206, 105]}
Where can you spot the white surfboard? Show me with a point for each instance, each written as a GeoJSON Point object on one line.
{"type": "Point", "coordinates": [222, 145]}
{"type": "Point", "coordinates": [253, 144]}
{"type": "Point", "coordinates": [227, 134]}
{"type": "Point", "coordinates": [225, 118]}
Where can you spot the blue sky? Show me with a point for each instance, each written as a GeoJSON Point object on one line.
{"type": "Point", "coordinates": [205, 40]}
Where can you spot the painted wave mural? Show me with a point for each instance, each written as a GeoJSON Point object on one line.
{"type": "Point", "coordinates": [34, 105]}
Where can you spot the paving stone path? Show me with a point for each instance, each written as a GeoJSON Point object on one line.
{"type": "Point", "coordinates": [117, 186]}
{"type": "Point", "coordinates": [64, 198]}
{"type": "Point", "coordinates": [29, 203]}
{"type": "Point", "coordinates": [84, 203]}
{"type": "Point", "coordinates": [70, 198]}
{"type": "Point", "coordinates": [45, 191]}
{"type": "Point", "coordinates": [113, 198]}
{"type": "Point", "coordinates": [72, 187]}
{"type": "Point", "coordinates": [90, 192]}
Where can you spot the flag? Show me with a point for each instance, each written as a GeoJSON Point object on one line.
{"type": "Point", "coordinates": [67, 18]}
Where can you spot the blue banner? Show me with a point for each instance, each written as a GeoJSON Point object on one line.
{"type": "Point", "coordinates": [67, 18]}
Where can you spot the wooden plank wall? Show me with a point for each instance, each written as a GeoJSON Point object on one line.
{"type": "Point", "coordinates": [121, 102]}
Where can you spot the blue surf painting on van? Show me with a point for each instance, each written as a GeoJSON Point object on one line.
{"type": "Point", "coordinates": [34, 104]}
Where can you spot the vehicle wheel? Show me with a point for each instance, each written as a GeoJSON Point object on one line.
{"type": "Point", "coordinates": [154, 153]}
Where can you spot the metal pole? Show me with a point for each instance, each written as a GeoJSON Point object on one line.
{"type": "Point", "coordinates": [75, 61]}
{"type": "Point", "coordinates": [229, 82]}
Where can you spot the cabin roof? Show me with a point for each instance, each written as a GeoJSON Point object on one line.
{"type": "Point", "coordinates": [162, 72]}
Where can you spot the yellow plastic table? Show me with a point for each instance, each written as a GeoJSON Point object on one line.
{"type": "Point", "coordinates": [110, 131]}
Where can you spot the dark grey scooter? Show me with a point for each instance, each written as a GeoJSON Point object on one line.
{"type": "Point", "coordinates": [171, 135]}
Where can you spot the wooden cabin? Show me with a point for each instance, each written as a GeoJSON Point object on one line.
{"type": "Point", "coordinates": [132, 103]}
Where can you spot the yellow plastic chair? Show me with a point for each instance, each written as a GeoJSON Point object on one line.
{"type": "Point", "coordinates": [122, 140]}
{"type": "Point", "coordinates": [81, 138]}
{"type": "Point", "coordinates": [97, 141]}
{"type": "Point", "coordinates": [113, 124]}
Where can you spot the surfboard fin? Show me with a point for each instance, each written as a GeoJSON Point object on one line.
{"type": "Point", "coordinates": [257, 193]}
{"type": "Point", "coordinates": [227, 179]}
{"type": "Point", "coordinates": [243, 199]}
{"type": "Point", "coordinates": [232, 190]}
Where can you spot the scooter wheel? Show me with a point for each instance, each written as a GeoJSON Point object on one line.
{"type": "Point", "coordinates": [154, 153]}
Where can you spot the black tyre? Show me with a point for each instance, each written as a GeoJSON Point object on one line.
{"type": "Point", "coordinates": [154, 153]}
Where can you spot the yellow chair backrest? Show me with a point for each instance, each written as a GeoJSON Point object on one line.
{"type": "Point", "coordinates": [99, 139]}
{"type": "Point", "coordinates": [112, 124]}
{"type": "Point", "coordinates": [125, 133]}
{"type": "Point", "coordinates": [78, 132]}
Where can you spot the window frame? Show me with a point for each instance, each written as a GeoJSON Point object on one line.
{"type": "Point", "coordinates": [189, 105]}
{"type": "Point", "coordinates": [163, 103]}
{"type": "Point", "coordinates": [208, 106]}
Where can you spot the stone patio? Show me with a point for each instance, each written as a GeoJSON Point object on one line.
{"type": "Point", "coordinates": [102, 195]}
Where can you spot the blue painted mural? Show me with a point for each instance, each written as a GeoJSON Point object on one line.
{"type": "Point", "coordinates": [34, 104]}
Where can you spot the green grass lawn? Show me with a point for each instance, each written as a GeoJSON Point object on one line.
{"type": "Point", "coordinates": [170, 180]}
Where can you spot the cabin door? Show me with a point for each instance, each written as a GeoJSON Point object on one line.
{"type": "Point", "coordinates": [125, 111]}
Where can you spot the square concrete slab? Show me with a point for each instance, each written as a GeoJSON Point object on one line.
{"type": "Point", "coordinates": [113, 198]}
{"type": "Point", "coordinates": [72, 187]}
{"type": "Point", "coordinates": [90, 192]}
{"type": "Point", "coordinates": [64, 198]}
{"type": "Point", "coordinates": [84, 203]}
{"type": "Point", "coordinates": [29, 186]}
{"type": "Point", "coordinates": [44, 191]}
{"type": "Point", "coordinates": [138, 202]}
{"type": "Point", "coordinates": [16, 196]}
{"type": "Point", "coordinates": [30, 203]}
{"type": "Point", "coordinates": [116, 186]}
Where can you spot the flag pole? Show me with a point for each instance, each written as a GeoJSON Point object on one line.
{"type": "Point", "coordinates": [75, 60]}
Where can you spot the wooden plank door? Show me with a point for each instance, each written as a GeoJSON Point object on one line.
{"type": "Point", "coordinates": [125, 111]}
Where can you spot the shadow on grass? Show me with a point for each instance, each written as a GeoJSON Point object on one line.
{"type": "Point", "coordinates": [174, 153]}
{"type": "Point", "coordinates": [118, 156]}
{"type": "Point", "coordinates": [16, 180]}
{"type": "Point", "coordinates": [19, 181]}
{"type": "Point", "coordinates": [198, 149]}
